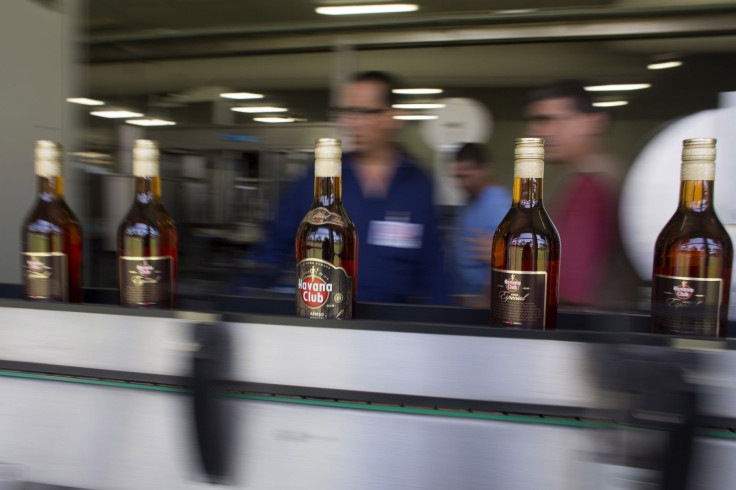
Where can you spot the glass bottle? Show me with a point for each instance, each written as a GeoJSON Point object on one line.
{"type": "Point", "coordinates": [51, 242]}
{"type": "Point", "coordinates": [525, 265]}
{"type": "Point", "coordinates": [693, 254]}
{"type": "Point", "coordinates": [326, 243]}
{"type": "Point", "coordinates": [147, 238]}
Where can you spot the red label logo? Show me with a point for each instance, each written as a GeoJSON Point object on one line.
{"type": "Point", "coordinates": [314, 291]}
{"type": "Point", "coordinates": [144, 269]}
{"type": "Point", "coordinates": [513, 284]}
{"type": "Point", "coordinates": [683, 291]}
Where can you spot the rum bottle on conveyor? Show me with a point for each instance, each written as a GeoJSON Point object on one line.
{"type": "Point", "coordinates": [525, 264]}
{"type": "Point", "coordinates": [147, 238]}
{"type": "Point", "coordinates": [51, 243]}
{"type": "Point", "coordinates": [326, 243]}
{"type": "Point", "coordinates": [693, 254]}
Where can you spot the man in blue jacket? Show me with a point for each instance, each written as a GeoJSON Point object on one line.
{"type": "Point", "coordinates": [388, 197]}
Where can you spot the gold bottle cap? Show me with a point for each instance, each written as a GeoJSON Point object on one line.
{"type": "Point", "coordinates": [48, 157]}
{"type": "Point", "coordinates": [145, 158]}
{"type": "Point", "coordinates": [698, 159]}
{"type": "Point", "coordinates": [529, 158]}
{"type": "Point", "coordinates": [328, 158]}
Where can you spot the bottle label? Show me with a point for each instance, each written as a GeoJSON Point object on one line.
{"type": "Point", "coordinates": [518, 298]}
{"type": "Point", "coordinates": [45, 276]}
{"type": "Point", "coordinates": [323, 216]}
{"type": "Point", "coordinates": [698, 171]}
{"type": "Point", "coordinates": [146, 281]}
{"type": "Point", "coordinates": [529, 168]}
{"type": "Point", "coordinates": [323, 290]}
{"type": "Point", "coordinates": [686, 305]}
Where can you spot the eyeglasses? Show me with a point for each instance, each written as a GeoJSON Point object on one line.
{"type": "Point", "coordinates": [357, 112]}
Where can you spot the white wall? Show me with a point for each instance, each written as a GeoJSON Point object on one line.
{"type": "Point", "coordinates": [38, 72]}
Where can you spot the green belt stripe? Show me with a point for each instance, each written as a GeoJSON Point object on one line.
{"type": "Point", "coordinates": [357, 406]}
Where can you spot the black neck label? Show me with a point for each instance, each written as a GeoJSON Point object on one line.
{"type": "Point", "coordinates": [518, 299]}
{"type": "Point", "coordinates": [45, 276]}
{"type": "Point", "coordinates": [146, 281]}
{"type": "Point", "coordinates": [323, 290]}
{"type": "Point", "coordinates": [686, 305]}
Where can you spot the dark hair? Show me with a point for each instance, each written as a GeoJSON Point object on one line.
{"type": "Point", "coordinates": [567, 89]}
{"type": "Point", "coordinates": [381, 77]}
{"type": "Point", "coordinates": [473, 152]}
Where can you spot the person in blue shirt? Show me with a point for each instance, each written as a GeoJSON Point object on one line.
{"type": "Point", "coordinates": [388, 197]}
{"type": "Point", "coordinates": [475, 223]}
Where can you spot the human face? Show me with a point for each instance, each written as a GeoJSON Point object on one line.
{"type": "Point", "coordinates": [468, 176]}
{"type": "Point", "coordinates": [565, 130]}
{"type": "Point", "coordinates": [365, 116]}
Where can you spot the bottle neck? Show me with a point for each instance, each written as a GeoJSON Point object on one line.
{"type": "Point", "coordinates": [50, 187]}
{"type": "Point", "coordinates": [147, 189]}
{"type": "Point", "coordinates": [327, 190]}
{"type": "Point", "coordinates": [696, 195]}
{"type": "Point", "coordinates": [527, 192]}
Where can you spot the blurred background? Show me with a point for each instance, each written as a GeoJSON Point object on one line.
{"type": "Point", "coordinates": [169, 62]}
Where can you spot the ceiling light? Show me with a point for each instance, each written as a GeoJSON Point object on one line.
{"type": "Point", "coordinates": [241, 95]}
{"type": "Point", "coordinates": [116, 114]}
{"type": "Point", "coordinates": [515, 11]}
{"type": "Point", "coordinates": [257, 110]}
{"type": "Point", "coordinates": [274, 120]}
{"type": "Point", "coordinates": [84, 101]}
{"type": "Point", "coordinates": [415, 117]}
{"type": "Point", "coordinates": [386, 8]}
{"type": "Point", "coordinates": [150, 122]}
{"type": "Point", "coordinates": [618, 87]}
{"type": "Point", "coordinates": [611, 103]}
{"type": "Point", "coordinates": [664, 65]}
{"type": "Point", "coordinates": [417, 91]}
{"type": "Point", "coordinates": [418, 106]}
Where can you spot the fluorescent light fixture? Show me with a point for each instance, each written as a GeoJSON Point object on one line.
{"type": "Point", "coordinates": [386, 8]}
{"type": "Point", "coordinates": [84, 101]}
{"type": "Point", "coordinates": [417, 91]}
{"type": "Point", "coordinates": [150, 122]}
{"type": "Point", "coordinates": [116, 114]}
{"type": "Point", "coordinates": [418, 106]}
{"type": "Point", "coordinates": [515, 11]}
{"type": "Point", "coordinates": [241, 95]}
{"type": "Point", "coordinates": [618, 87]}
{"type": "Point", "coordinates": [258, 110]}
{"type": "Point", "coordinates": [274, 120]}
{"type": "Point", "coordinates": [89, 154]}
{"type": "Point", "coordinates": [415, 117]}
{"type": "Point", "coordinates": [611, 103]}
{"type": "Point", "coordinates": [664, 65]}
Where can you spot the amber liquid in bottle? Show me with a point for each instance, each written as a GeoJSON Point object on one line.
{"type": "Point", "coordinates": [51, 243]}
{"type": "Point", "coordinates": [693, 254]}
{"type": "Point", "coordinates": [326, 244]}
{"type": "Point", "coordinates": [147, 238]}
{"type": "Point", "coordinates": [525, 265]}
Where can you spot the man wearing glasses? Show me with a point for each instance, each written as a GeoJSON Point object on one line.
{"type": "Point", "coordinates": [388, 197]}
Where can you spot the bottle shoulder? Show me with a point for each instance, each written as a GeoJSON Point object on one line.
{"type": "Point", "coordinates": [152, 215]}
{"type": "Point", "coordinates": [51, 216]}
{"type": "Point", "coordinates": [520, 222]}
{"type": "Point", "coordinates": [687, 228]}
{"type": "Point", "coordinates": [334, 216]}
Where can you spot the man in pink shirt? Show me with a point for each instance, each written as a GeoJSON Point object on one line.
{"type": "Point", "coordinates": [584, 202]}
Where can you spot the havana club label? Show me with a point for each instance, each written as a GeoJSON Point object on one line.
{"type": "Point", "coordinates": [686, 305]}
{"type": "Point", "coordinates": [146, 281]}
{"type": "Point", "coordinates": [323, 216]}
{"type": "Point", "coordinates": [518, 299]}
{"type": "Point", "coordinates": [323, 290]}
{"type": "Point", "coordinates": [45, 276]}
